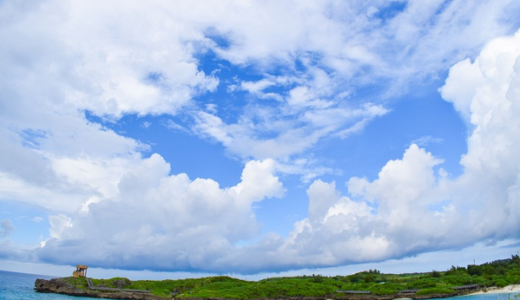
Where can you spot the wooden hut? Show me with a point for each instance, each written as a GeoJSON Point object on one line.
{"type": "Point", "coordinates": [81, 271]}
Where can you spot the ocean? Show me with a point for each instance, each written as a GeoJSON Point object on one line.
{"type": "Point", "coordinates": [19, 286]}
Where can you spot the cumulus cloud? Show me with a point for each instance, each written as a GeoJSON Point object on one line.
{"type": "Point", "coordinates": [175, 222]}
{"type": "Point", "coordinates": [374, 224]}
{"type": "Point", "coordinates": [412, 206]}
{"type": "Point", "coordinates": [56, 66]}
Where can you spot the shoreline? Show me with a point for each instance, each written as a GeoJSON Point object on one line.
{"type": "Point", "coordinates": [514, 288]}
{"type": "Point", "coordinates": [61, 286]}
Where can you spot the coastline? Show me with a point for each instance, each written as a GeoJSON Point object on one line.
{"type": "Point", "coordinates": [62, 286]}
{"type": "Point", "coordinates": [514, 288]}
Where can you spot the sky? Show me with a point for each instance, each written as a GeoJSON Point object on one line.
{"type": "Point", "coordinates": [257, 138]}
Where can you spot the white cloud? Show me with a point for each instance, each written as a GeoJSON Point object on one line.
{"type": "Point", "coordinates": [356, 48]}
{"type": "Point", "coordinates": [467, 83]}
{"type": "Point", "coordinates": [341, 230]}
{"type": "Point", "coordinates": [257, 182]}
{"type": "Point", "coordinates": [410, 208]}
{"type": "Point", "coordinates": [111, 64]}
{"type": "Point", "coordinates": [176, 222]}
{"type": "Point", "coordinates": [400, 181]}
{"type": "Point", "coordinates": [426, 140]}
{"type": "Point", "coordinates": [59, 223]}
{"type": "Point", "coordinates": [255, 87]}
{"type": "Point", "coordinates": [288, 129]}
{"type": "Point", "coordinates": [62, 179]}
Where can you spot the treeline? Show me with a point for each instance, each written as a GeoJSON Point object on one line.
{"type": "Point", "coordinates": [497, 273]}
{"type": "Point", "coordinates": [507, 269]}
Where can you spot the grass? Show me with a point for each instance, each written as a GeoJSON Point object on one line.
{"type": "Point", "coordinates": [78, 282]}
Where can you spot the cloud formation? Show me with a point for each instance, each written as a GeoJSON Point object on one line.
{"type": "Point", "coordinates": [65, 62]}
{"type": "Point", "coordinates": [175, 222]}
{"type": "Point", "coordinates": [413, 206]}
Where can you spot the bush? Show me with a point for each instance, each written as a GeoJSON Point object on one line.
{"type": "Point", "coordinates": [120, 282]}
{"type": "Point", "coordinates": [369, 278]}
{"type": "Point", "coordinates": [501, 283]}
{"type": "Point", "coordinates": [436, 274]}
{"type": "Point", "coordinates": [422, 284]}
{"type": "Point", "coordinates": [456, 271]}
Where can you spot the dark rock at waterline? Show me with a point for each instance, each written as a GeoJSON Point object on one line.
{"type": "Point", "coordinates": [60, 286]}
{"type": "Point", "coordinates": [55, 285]}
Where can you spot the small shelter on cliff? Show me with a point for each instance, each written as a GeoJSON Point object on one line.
{"type": "Point", "coordinates": [81, 271]}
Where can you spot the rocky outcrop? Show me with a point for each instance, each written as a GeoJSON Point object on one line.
{"type": "Point", "coordinates": [60, 286]}
{"type": "Point", "coordinates": [55, 286]}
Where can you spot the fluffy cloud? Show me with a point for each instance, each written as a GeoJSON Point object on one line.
{"type": "Point", "coordinates": [174, 222]}
{"type": "Point", "coordinates": [491, 161]}
{"type": "Point", "coordinates": [57, 65]}
{"type": "Point", "coordinates": [109, 64]}
{"type": "Point", "coordinates": [377, 223]}
{"type": "Point", "coordinates": [413, 206]}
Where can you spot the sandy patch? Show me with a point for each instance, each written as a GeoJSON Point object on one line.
{"type": "Point", "coordinates": [514, 288]}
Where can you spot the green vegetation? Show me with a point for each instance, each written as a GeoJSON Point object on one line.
{"type": "Point", "coordinates": [498, 273]}
{"type": "Point", "coordinates": [77, 282]}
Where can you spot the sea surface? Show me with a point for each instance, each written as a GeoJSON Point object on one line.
{"type": "Point", "coordinates": [19, 286]}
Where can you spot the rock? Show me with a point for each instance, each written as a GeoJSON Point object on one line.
{"type": "Point", "coordinates": [121, 283]}
{"type": "Point", "coordinates": [61, 286]}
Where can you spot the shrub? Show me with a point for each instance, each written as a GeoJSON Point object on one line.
{"type": "Point", "coordinates": [501, 283]}
{"type": "Point", "coordinates": [369, 278]}
{"type": "Point", "coordinates": [436, 274]}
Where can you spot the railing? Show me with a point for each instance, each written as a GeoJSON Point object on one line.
{"type": "Point", "coordinates": [410, 291]}
{"type": "Point", "coordinates": [353, 292]}
{"type": "Point", "coordinates": [467, 287]}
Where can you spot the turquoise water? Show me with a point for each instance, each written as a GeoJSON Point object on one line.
{"type": "Point", "coordinates": [18, 286]}
{"type": "Point", "coordinates": [486, 297]}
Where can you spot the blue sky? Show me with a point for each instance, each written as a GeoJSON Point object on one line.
{"type": "Point", "coordinates": [258, 137]}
